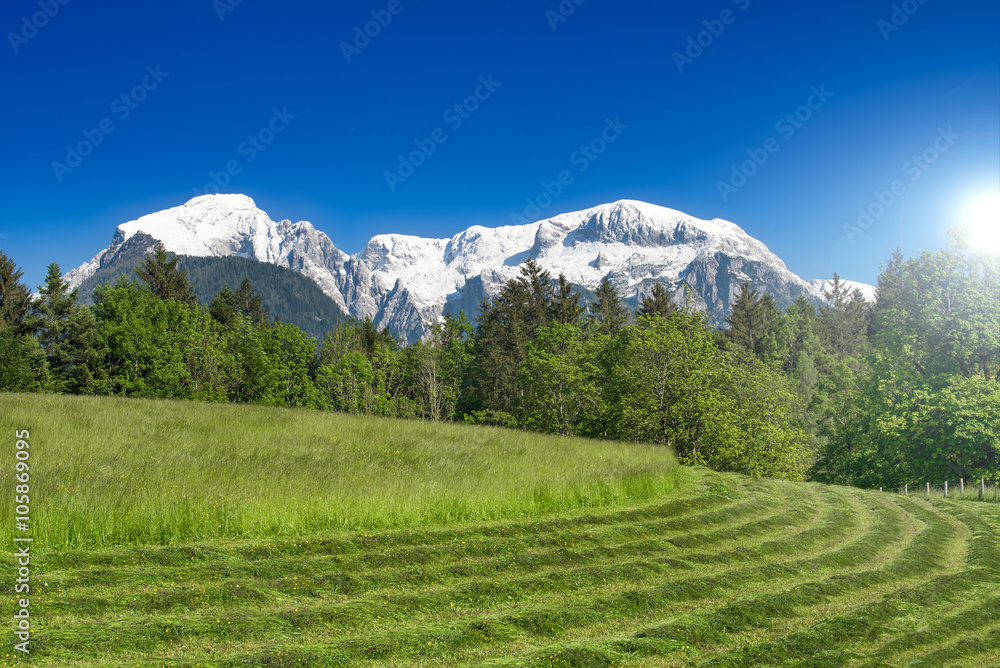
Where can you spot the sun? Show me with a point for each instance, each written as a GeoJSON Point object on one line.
{"type": "Point", "coordinates": [984, 224]}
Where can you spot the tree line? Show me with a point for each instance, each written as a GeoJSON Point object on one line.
{"type": "Point", "coordinates": [900, 391]}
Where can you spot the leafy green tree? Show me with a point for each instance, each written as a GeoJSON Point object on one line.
{"type": "Point", "coordinates": [664, 386]}
{"type": "Point", "coordinates": [360, 370]}
{"type": "Point", "coordinates": [766, 411]}
{"type": "Point", "coordinates": [290, 357]}
{"type": "Point", "coordinates": [157, 348]}
{"type": "Point", "coordinates": [347, 383]}
{"type": "Point", "coordinates": [925, 408]}
{"type": "Point", "coordinates": [439, 365]}
{"type": "Point", "coordinates": [160, 274]}
{"type": "Point", "coordinates": [558, 380]}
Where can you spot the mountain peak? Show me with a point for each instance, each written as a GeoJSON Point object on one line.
{"type": "Point", "coordinates": [232, 201]}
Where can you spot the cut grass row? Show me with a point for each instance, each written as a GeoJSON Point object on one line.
{"type": "Point", "coordinates": [731, 572]}
{"type": "Point", "coordinates": [640, 564]}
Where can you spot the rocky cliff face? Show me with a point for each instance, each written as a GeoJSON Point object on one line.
{"type": "Point", "coordinates": [404, 282]}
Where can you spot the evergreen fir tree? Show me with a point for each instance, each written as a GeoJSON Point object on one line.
{"type": "Point", "coordinates": [49, 321]}
{"type": "Point", "coordinates": [223, 308]}
{"type": "Point", "coordinates": [159, 272]}
{"type": "Point", "coordinates": [658, 303]}
{"type": "Point", "coordinates": [15, 298]}
{"type": "Point", "coordinates": [566, 308]}
{"type": "Point", "coordinates": [608, 314]}
{"type": "Point", "coordinates": [752, 320]}
{"type": "Point", "coordinates": [251, 304]}
{"type": "Point", "coordinates": [843, 324]}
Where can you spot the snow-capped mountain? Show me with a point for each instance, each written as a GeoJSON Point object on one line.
{"type": "Point", "coordinates": [222, 225]}
{"type": "Point", "coordinates": [404, 282]}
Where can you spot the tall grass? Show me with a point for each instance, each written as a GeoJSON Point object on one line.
{"type": "Point", "coordinates": [110, 471]}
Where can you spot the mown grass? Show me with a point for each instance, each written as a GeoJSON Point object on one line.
{"type": "Point", "coordinates": [109, 471]}
{"type": "Point", "coordinates": [719, 570]}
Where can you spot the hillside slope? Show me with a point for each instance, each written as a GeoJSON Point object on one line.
{"type": "Point", "coordinates": [725, 571]}
{"type": "Point", "coordinates": [287, 295]}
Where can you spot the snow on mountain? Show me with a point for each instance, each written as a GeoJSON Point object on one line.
{"type": "Point", "coordinates": [222, 225]}
{"type": "Point", "coordinates": [404, 282]}
{"type": "Point", "coordinates": [824, 285]}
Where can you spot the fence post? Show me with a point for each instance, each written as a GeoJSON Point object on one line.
{"type": "Point", "coordinates": [962, 481]}
{"type": "Point", "coordinates": [982, 481]}
{"type": "Point", "coordinates": [906, 489]}
{"type": "Point", "coordinates": [928, 490]}
{"type": "Point", "coordinates": [880, 489]}
{"type": "Point", "coordinates": [946, 489]}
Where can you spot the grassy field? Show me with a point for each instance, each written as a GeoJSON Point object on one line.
{"type": "Point", "coordinates": [688, 568]}
{"type": "Point", "coordinates": [112, 471]}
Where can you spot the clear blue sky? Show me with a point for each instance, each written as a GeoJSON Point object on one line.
{"type": "Point", "coordinates": [896, 87]}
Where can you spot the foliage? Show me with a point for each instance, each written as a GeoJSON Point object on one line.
{"type": "Point", "coordinates": [160, 274]}
{"type": "Point", "coordinates": [658, 302]}
{"type": "Point", "coordinates": [871, 395]}
{"type": "Point", "coordinates": [157, 348]}
{"type": "Point", "coordinates": [608, 314]}
{"type": "Point", "coordinates": [753, 321]}
{"type": "Point", "coordinates": [15, 298]}
{"type": "Point", "coordinates": [927, 407]}
{"type": "Point", "coordinates": [67, 333]}
{"type": "Point", "coordinates": [558, 379]}
{"type": "Point", "coordinates": [283, 293]}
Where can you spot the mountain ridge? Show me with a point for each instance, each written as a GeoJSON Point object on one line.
{"type": "Point", "coordinates": [405, 282]}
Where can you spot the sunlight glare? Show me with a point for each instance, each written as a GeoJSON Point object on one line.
{"type": "Point", "coordinates": [984, 225]}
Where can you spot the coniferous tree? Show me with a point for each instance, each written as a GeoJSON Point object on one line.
{"type": "Point", "coordinates": [752, 319]}
{"type": "Point", "coordinates": [67, 334]}
{"type": "Point", "coordinates": [566, 308]}
{"type": "Point", "coordinates": [15, 298]}
{"type": "Point", "coordinates": [227, 305]}
{"type": "Point", "coordinates": [608, 314]}
{"type": "Point", "coordinates": [50, 313]}
{"type": "Point", "coordinates": [891, 286]}
{"type": "Point", "coordinates": [843, 322]}
{"type": "Point", "coordinates": [222, 308]}
{"type": "Point", "coordinates": [251, 304]}
{"type": "Point", "coordinates": [658, 303]}
{"type": "Point", "coordinates": [505, 327]}
{"type": "Point", "coordinates": [160, 274]}
{"type": "Point", "coordinates": [22, 361]}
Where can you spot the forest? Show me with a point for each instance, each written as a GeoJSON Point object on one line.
{"type": "Point", "coordinates": [899, 391]}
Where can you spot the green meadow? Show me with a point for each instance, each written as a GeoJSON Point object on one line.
{"type": "Point", "coordinates": [186, 534]}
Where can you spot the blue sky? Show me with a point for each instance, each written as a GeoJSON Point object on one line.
{"type": "Point", "coordinates": [820, 108]}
